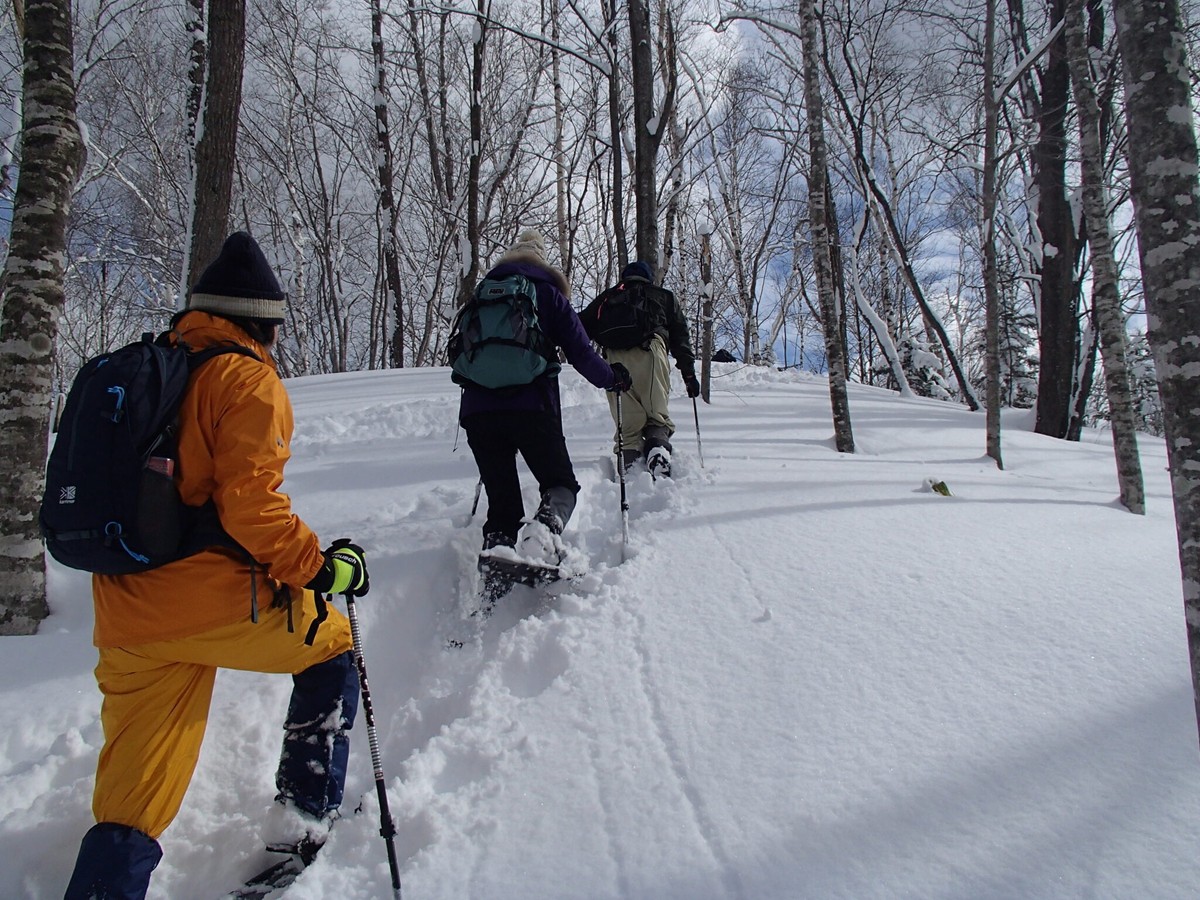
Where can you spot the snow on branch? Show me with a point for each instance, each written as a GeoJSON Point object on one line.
{"type": "Point", "coordinates": [1025, 64]}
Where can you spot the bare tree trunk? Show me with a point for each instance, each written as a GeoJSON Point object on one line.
{"type": "Point", "coordinates": [51, 157]}
{"type": "Point", "coordinates": [560, 154]}
{"type": "Point", "coordinates": [649, 125]}
{"type": "Point", "coordinates": [1163, 164]}
{"type": "Point", "coordinates": [298, 301]}
{"type": "Point", "coordinates": [197, 60]}
{"type": "Point", "coordinates": [1106, 299]}
{"type": "Point", "coordinates": [216, 150]}
{"type": "Point", "coordinates": [991, 289]}
{"type": "Point", "coordinates": [818, 223]}
{"type": "Point", "coordinates": [386, 182]}
{"type": "Point", "coordinates": [469, 272]}
{"type": "Point", "coordinates": [1057, 240]}
{"type": "Point", "coordinates": [614, 126]}
{"type": "Point", "coordinates": [671, 217]}
{"type": "Point", "coordinates": [645, 184]}
{"type": "Point", "coordinates": [706, 333]}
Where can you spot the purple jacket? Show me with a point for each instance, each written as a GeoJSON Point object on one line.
{"type": "Point", "coordinates": [561, 325]}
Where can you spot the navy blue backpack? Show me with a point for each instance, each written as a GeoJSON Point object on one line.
{"type": "Point", "coordinates": [111, 505]}
{"type": "Point", "coordinates": [624, 316]}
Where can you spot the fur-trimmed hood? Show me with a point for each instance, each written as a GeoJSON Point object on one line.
{"type": "Point", "coordinates": [533, 258]}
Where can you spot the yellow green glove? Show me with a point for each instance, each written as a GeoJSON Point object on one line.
{"type": "Point", "coordinates": [344, 571]}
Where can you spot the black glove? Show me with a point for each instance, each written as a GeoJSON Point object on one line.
{"type": "Point", "coordinates": [622, 380]}
{"type": "Point", "coordinates": [692, 384]}
{"type": "Point", "coordinates": [344, 570]}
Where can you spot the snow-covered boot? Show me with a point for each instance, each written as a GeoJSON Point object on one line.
{"type": "Point", "coordinates": [290, 830]}
{"type": "Point", "coordinates": [540, 544]}
{"type": "Point", "coordinates": [496, 581]}
{"type": "Point", "coordinates": [629, 458]}
{"type": "Point", "coordinates": [556, 507]}
{"type": "Point", "coordinates": [293, 838]}
{"type": "Point", "coordinates": [658, 461]}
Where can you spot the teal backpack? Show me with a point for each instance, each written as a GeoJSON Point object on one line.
{"type": "Point", "coordinates": [496, 341]}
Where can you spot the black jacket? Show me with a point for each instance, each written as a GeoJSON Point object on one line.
{"type": "Point", "coordinates": [666, 318]}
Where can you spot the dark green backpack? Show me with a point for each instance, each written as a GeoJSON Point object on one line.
{"type": "Point", "coordinates": [496, 340]}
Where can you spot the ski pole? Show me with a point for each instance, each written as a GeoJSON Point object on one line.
{"type": "Point", "coordinates": [387, 827]}
{"type": "Point", "coordinates": [621, 476]}
{"type": "Point", "coordinates": [699, 446]}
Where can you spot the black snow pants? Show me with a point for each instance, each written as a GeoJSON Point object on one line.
{"type": "Point", "coordinates": [495, 438]}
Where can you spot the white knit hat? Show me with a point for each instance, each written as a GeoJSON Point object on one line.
{"type": "Point", "coordinates": [529, 242]}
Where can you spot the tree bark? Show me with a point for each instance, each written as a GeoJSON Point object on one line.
{"type": "Point", "coordinates": [1106, 299]}
{"type": "Point", "coordinates": [614, 132]}
{"type": "Point", "coordinates": [818, 223]}
{"type": "Point", "coordinates": [645, 147]}
{"type": "Point", "coordinates": [216, 149]}
{"type": "Point", "coordinates": [1058, 326]}
{"type": "Point", "coordinates": [51, 158]}
{"type": "Point", "coordinates": [1163, 165]}
{"type": "Point", "coordinates": [387, 200]}
{"type": "Point", "coordinates": [706, 311]}
{"type": "Point", "coordinates": [197, 64]}
{"type": "Point", "coordinates": [561, 188]}
{"type": "Point", "coordinates": [991, 289]}
{"type": "Point", "coordinates": [649, 125]}
{"type": "Point", "coordinates": [469, 272]}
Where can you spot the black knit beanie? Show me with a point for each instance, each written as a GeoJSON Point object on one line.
{"type": "Point", "coordinates": [240, 283]}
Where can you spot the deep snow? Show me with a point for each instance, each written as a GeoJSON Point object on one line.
{"type": "Point", "coordinates": [812, 678]}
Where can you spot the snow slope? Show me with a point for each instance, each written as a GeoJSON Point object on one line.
{"type": "Point", "coordinates": [812, 677]}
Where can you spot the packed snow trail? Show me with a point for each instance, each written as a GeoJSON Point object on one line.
{"type": "Point", "coordinates": [812, 677]}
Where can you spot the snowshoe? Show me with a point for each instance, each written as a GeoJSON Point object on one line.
{"type": "Point", "coordinates": [520, 571]}
{"type": "Point", "coordinates": [293, 859]}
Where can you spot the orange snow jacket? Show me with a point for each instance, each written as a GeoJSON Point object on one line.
{"type": "Point", "coordinates": [234, 432]}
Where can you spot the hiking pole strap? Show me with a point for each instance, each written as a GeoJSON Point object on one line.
{"type": "Point", "coordinates": [387, 827]}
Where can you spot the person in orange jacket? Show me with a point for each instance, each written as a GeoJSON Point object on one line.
{"type": "Point", "coordinates": [251, 601]}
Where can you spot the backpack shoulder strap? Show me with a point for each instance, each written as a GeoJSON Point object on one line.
{"type": "Point", "coordinates": [197, 358]}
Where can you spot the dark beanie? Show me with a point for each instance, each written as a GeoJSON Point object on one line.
{"type": "Point", "coordinates": [638, 269]}
{"type": "Point", "coordinates": [240, 283]}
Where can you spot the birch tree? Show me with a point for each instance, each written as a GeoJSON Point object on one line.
{"type": "Point", "coordinates": [705, 342]}
{"type": "Point", "coordinates": [818, 224]}
{"type": "Point", "coordinates": [1106, 300]}
{"type": "Point", "coordinates": [51, 156]}
{"type": "Point", "coordinates": [1165, 189]}
{"type": "Point", "coordinates": [387, 200]}
{"type": "Point", "coordinates": [469, 248]}
{"type": "Point", "coordinates": [991, 289]}
{"type": "Point", "coordinates": [617, 191]}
